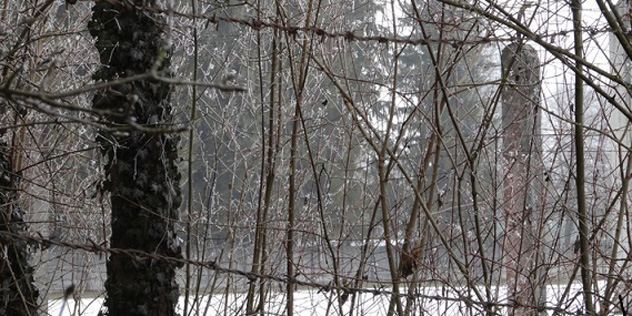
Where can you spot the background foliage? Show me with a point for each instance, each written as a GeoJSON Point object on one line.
{"type": "Point", "coordinates": [338, 148]}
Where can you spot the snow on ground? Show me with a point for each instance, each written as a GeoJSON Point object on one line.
{"type": "Point", "coordinates": [314, 303]}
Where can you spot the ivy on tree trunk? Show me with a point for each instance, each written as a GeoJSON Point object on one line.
{"type": "Point", "coordinates": [142, 175]}
{"type": "Point", "coordinates": [18, 294]}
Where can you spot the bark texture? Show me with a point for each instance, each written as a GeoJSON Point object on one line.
{"type": "Point", "coordinates": [522, 154]}
{"type": "Point", "coordinates": [142, 175]}
{"type": "Point", "coordinates": [18, 293]}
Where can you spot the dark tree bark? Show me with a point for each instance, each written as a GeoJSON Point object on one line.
{"type": "Point", "coordinates": [141, 170]}
{"type": "Point", "coordinates": [18, 294]}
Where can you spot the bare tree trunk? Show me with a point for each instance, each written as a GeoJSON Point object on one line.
{"type": "Point", "coordinates": [584, 255]}
{"type": "Point", "coordinates": [523, 165]}
{"type": "Point", "coordinates": [142, 175]}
